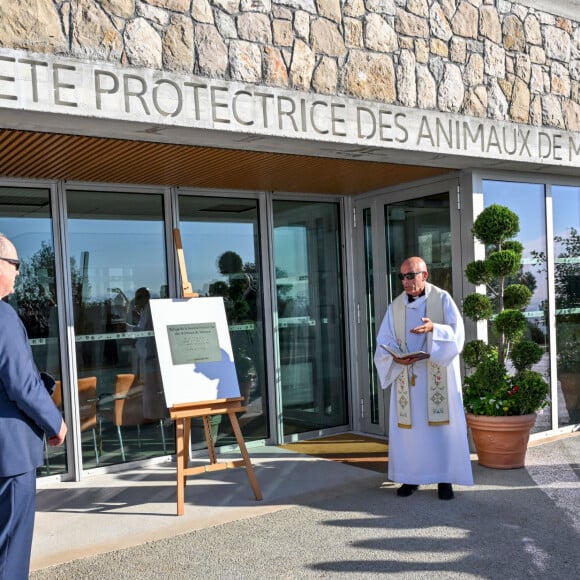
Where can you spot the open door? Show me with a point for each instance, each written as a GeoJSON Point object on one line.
{"type": "Point", "coordinates": [417, 221]}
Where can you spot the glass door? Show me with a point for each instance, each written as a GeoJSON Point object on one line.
{"type": "Point", "coordinates": [117, 264]}
{"type": "Point", "coordinates": [25, 218]}
{"type": "Point", "coordinates": [221, 244]}
{"type": "Point", "coordinates": [310, 335]}
{"type": "Point", "coordinates": [423, 222]}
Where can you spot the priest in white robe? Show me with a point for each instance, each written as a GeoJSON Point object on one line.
{"type": "Point", "coordinates": [427, 429]}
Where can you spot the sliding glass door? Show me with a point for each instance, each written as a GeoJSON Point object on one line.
{"type": "Point", "coordinates": [310, 335]}
{"type": "Point", "coordinates": [25, 218]}
{"type": "Point", "coordinates": [117, 264]}
{"type": "Point", "coordinates": [220, 239]}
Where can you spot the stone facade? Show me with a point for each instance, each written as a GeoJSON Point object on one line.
{"type": "Point", "coordinates": [481, 58]}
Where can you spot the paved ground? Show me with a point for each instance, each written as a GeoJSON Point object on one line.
{"type": "Point", "coordinates": [319, 519]}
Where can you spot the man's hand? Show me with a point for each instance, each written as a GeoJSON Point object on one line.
{"type": "Point", "coordinates": [424, 328]}
{"type": "Point", "coordinates": [59, 438]}
{"type": "Point", "coordinates": [407, 360]}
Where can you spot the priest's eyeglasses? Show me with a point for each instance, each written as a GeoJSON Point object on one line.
{"type": "Point", "coordinates": [15, 263]}
{"type": "Point", "coordinates": [409, 275]}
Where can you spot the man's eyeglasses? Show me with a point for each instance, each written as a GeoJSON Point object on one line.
{"type": "Point", "coordinates": [409, 275]}
{"type": "Point", "coordinates": [15, 263]}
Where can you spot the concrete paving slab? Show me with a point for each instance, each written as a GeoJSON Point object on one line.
{"type": "Point", "coordinates": [117, 510]}
{"type": "Point", "coordinates": [319, 519]}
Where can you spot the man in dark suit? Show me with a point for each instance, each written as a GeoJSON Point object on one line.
{"type": "Point", "coordinates": [27, 413]}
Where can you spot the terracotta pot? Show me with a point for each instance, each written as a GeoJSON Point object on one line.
{"type": "Point", "coordinates": [501, 442]}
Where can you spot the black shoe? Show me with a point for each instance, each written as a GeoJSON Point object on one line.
{"type": "Point", "coordinates": [445, 491]}
{"type": "Point", "coordinates": [406, 490]}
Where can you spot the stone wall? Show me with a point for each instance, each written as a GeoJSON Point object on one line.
{"type": "Point", "coordinates": [482, 58]}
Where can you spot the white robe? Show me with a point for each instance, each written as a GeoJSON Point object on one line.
{"type": "Point", "coordinates": [426, 454]}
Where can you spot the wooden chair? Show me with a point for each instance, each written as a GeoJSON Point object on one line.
{"type": "Point", "coordinates": [57, 395]}
{"type": "Point", "coordinates": [87, 410]}
{"type": "Point", "coordinates": [88, 400]}
{"type": "Point", "coordinates": [128, 408]}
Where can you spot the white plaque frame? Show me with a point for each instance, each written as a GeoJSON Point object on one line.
{"type": "Point", "coordinates": [194, 382]}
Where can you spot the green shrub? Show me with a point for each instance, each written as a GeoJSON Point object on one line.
{"type": "Point", "coordinates": [489, 389]}
{"type": "Point", "coordinates": [525, 354]}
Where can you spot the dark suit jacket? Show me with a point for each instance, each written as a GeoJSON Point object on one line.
{"type": "Point", "coordinates": [26, 408]}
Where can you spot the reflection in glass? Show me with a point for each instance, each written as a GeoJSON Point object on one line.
{"type": "Point", "coordinates": [419, 227]}
{"type": "Point", "coordinates": [527, 200]}
{"type": "Point", "coordinates": [117, 261]}
{"type": "Point", "coordinates": [310, 333]}
{"type": "Point", "coordinates": [566, 206]}
{"type": "Point", "coordinates": [25, 220]}
{"type": "Point", "coordinates": [221, 247]}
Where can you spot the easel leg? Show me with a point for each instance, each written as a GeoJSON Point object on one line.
{"type": "Point", "coordinates": [182, 416]}
{"type": "Point", "coordinates": [247, 463]}
{"type": "Point", "coordinates": [209, 439]}
{"type": "Point", "coordinates": [186, 445]}
{"type": "Point", "coordinates": [180, 456]}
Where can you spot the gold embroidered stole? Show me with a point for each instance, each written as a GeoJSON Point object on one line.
{"type": "Point", "coordinates": [437, 392]}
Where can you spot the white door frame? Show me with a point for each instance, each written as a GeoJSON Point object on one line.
{"type": "Point", "coordinates": [372, 205]}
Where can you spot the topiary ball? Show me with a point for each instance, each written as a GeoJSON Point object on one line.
{"type": "Point", "coordinates": [516, 296]}
{"type": "Point", "coordinates": [495, 224]}
{"type": "Point", "coordinates": [511, 323]}
{"type": "Point", "coordinates": [477, 307]}
{"type": "Point", "coordinates": [525, 354]}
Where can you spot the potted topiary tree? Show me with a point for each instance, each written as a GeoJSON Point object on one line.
{"type": "Point", "coordinates": [501, 405]}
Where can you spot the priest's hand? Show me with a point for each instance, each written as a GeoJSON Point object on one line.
{"type": "Point", "coordinates": [424, 328]}
{"type": "Point", "coordinates": [407, 360]}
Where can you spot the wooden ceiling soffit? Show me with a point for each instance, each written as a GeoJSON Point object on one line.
{"type": "Point", "coordinates": [32, 155]}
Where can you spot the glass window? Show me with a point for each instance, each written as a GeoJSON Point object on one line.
{"type": "Point", "coordinates": [25, 219]}
{"type": "Point", "coordinates": [117, 261]}
{"type": "Point", "coordinates": [527, 200]}
{"type": "Point", "coordinates": [419, 227]}
{"type": "Point", "coordinates": [566, 207]}
{"type": "Point", "coordinates": [310, 333]}
{"type": "Point", "coordinates": [220, 239]}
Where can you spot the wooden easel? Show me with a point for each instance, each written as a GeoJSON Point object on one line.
{"type": "Point", "coordinates": [183, 413]}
